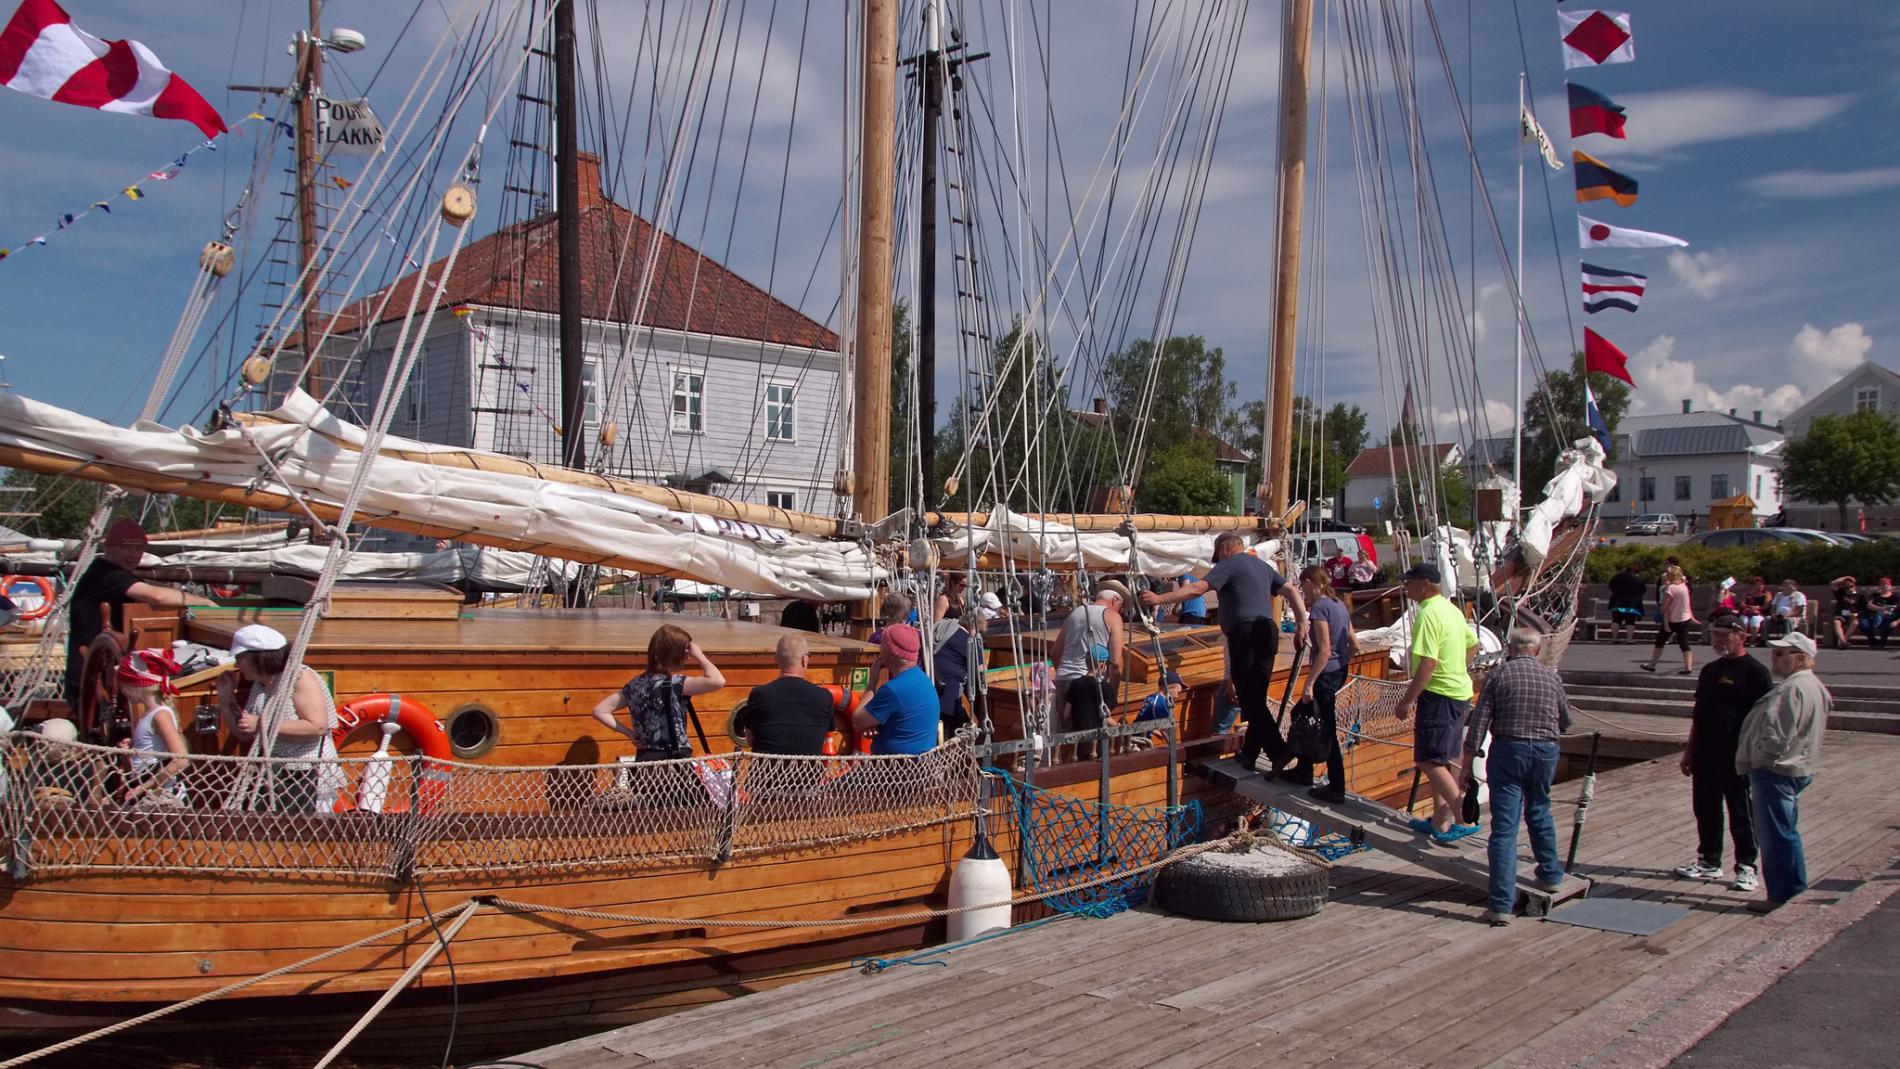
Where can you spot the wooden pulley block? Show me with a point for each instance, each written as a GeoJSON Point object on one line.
{"type": "Point", "coordinates": [458, 204]}
{"type": "Point", "coordinates": [256, 371]}
{"type": "Point", "coordinates": [950, 486]}
{"type": "Point", "coordinates": [923, 554]}
{"type": "Point", "coordinates": [609, 433]}
{"type": "Point", "coordinates": [217, 258]}
{"type": "Point", "coordinates": [842, 485]}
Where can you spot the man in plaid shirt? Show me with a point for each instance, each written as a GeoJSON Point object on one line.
{"type": "Point", "coordinates": [1524, 708]}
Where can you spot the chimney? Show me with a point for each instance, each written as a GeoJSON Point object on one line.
{"type": "Point", "coordinates": [1099, 406]}
{"type": "Point", "coordinates": [1758, 415]}
{"type": "Point", "coordinates": [1731, 412]}
{"type": "Point", "coordinates": [587, 172]}
{"type": "Point", "coordinates": [1685, 406]}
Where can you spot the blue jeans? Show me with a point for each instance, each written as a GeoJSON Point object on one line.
{"type": "Point", "coordinates": [1772, 796]}
{"type": "Point", "coordinates": [1520, 772]}
{"type": "Point", "coordinates": [1225, 712]}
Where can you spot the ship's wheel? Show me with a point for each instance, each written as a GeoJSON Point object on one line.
{"type": "Point", "coordinates": [98, 712]}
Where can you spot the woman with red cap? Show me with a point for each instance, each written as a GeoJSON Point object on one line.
{"type": "Point", "coordinates": [145, 685]}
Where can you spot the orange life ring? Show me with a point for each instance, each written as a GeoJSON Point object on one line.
{"type": "Point", "coordinates": [845, 700]}
{"type": "Point", "coordinates": [226, 592]}
{"type": "Point", "coordinates": [47, 598]}
{"type": "Point", "coordinates": [420, 724]}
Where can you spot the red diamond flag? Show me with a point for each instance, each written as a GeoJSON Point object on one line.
{"type": "Point", "coordinates": [1600, 355]}
{"type": "Point", "coordinates": [1593, 38]}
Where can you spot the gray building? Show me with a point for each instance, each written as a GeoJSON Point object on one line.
{"type": "Point", "coordinates": [720, 388]}
{"type": "Point", "coordinates": [1868, 388]}
{"type": "Point", "coordinates": [1683, 462]}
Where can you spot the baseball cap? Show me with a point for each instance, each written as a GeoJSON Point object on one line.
{"type": "Point", "coordinates": [902, 642]}
{"type": "Point", "coordinates": [1798, 642]}
{"type": "Point", "coordinates": [125, 532]}
{"type": "Point", "coordinates": [1172, 679]}
{"type": "Point", "coordinates": [253, 638]}
{"type": "Point", "coordinates": [1727, 621]}
{"type": "Point", "coordinates": [1423, 570]}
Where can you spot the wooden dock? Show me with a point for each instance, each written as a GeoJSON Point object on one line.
{"type": "Point", "coordinates": [1397, 971]}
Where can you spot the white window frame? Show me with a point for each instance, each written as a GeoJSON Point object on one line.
{"type": "Point", "coordinates": [590, 392]}
{"type": "Point", "coordinates": [1685, 488]}
{"type": "Point", "coordinates": [789, 406]}
{"type": "Point", "coordinates": [1866, 398]}
{"type": "Point", "coordinates": [1721, 494]}
{"type": "Point", "coordinates": [683, 422]}
{"type": "Point", "coordinates": [416, 390]}
{"type": "Point", "coordinates": [780, 499]}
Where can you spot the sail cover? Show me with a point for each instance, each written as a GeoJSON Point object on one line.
{"type": "Point", "coordinates": [522, 512]}
{"type": "Point", "coordinates": [1581, 479]}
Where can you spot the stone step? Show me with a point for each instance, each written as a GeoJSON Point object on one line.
{"type": "Point", "coordinates": [1665, 679]}
{"type": "Point", "coordinates": [1636, 692]}
{"type": "Point", "coordinates": [1842, 719]}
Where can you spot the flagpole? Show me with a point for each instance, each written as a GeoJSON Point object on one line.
{"type": "Point", "coordinates": [1517, 304]}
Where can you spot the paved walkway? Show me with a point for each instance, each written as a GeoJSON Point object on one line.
{"type": "Point", "coordinates": [1833, 1011]}
{"type": "Point", "coordinates": [1858, 666]}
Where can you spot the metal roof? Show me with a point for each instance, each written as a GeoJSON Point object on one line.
{"type": "Point", "coordinates": [1678, 434]}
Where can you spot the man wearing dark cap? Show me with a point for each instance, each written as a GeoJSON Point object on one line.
{"type": "Point", "coordinates": [904, 710]}
{"type": "Point", "coordinates": [1727, 689]}
{"type": "Point", "coordinates": [1440, 691]}
{"type": "Point", "coordinates": [110, 582]}
{"type": "Point", "coordinates": [1247, 586]}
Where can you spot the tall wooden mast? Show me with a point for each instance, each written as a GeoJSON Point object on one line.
{"type": "Point", "coordinates": [1296, 44]}
{"type": "Point", "coordinates": [309, 85]}
{"type": "Point", "coordinates": [567, 140]}
{"type": "Point", "coordinates": [870, 490]}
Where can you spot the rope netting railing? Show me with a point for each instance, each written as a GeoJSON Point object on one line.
{"type": "Point", "coordinates": [69, 808]}
{"type": "Point", "coordinates": [1067, 840]}
{"type": "Point", "coordinates": [1366, 710]}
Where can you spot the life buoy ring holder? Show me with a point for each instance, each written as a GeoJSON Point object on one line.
{"type": "Point", "coordinates": [48, 598]}
{"type": "Point", "coordinates": [416, 721]}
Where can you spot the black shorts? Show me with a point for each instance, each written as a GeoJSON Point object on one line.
{"type": "Point", "coordinates": [1626, 616]}
{"type": "Point", "coordinates": [1438, 729]}
{"type": "Point", "coordinates": [1679, 631]}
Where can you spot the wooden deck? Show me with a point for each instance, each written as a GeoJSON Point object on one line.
{"type": "Point", "coordinates": [1397, 971]}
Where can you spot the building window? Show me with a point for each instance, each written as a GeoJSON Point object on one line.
{"type": "Point", "coordinates": [417, 397]}
{"type": "Point", "coordinates": [1758, 489]}
{"type": "Point", "coordinates": [1683, 490]}
{"type": "Point", "coordinates": [1867, 399]}
{"type": "Point", "coordinates": [1616, 492]}
{"type": "Point", "coordinates": [590, 392]}
{"type": "Point", "coordinates": [1718, 487]}
{"type": "Point", "coordinates": [778, 413]}
{"type": "Point", "coordinates": [1647, 488]}
{"type": "Point", "coordinates": [689, 399]}
{"type": "Point", "coordinates": [779, 499]}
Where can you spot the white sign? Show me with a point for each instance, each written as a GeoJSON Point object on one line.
{"type": "Point", "coordinates": [347, 128]}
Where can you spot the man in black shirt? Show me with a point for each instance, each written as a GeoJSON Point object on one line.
{"type": "Point", "coordinates": [1247, 586]}
{"type": "Point", "coordinates": [790, 715]}
{"type": "Point", "coordinates": [1727, 688]}
{"type": "Point", "coordinates": [110, 582]}
{"type": "Point", "coordinates": [1626, 603]}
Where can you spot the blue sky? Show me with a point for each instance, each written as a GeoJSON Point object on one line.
{"type": "Point", "coordinates": [1766, 134]}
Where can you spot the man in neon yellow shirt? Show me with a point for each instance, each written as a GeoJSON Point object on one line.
{"type": "Point", "coordinates": [1440, 691]}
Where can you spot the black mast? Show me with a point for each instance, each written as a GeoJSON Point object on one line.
{"type": "Point", "coordinates": [568, 235]}
{"type": "Point", "coordinates": [930, 72]}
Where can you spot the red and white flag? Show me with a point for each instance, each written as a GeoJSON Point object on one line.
{"type": "Point", "coordinates": [44, 54]}
{"type": "Point", "coordinates": [1593, 38]}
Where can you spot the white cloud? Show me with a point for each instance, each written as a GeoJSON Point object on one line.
{"type": "Point", "coordinates": [1488, 294]}
{"type": "Point", "coordinates": [1456, 424]}
{"type": "Point", "coordinates": [1816, 185]}
{"type": "Point", "coordinates": [1705, 273]}
{"type": "Point", "coordinates": [1681, 117]}
{"type": "Point", "coordinates": [1665, 382]}
{"type": "Point", "coordinates": [1821, 358]}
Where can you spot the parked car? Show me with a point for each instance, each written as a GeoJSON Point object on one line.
{"type": "Point", "coordinates": [1653, 523]}
{"type": "Point", "coordinates": [1755, 536]}
{"type": "Point", "coordinates": [1313, 547]}
{"type": "Point", "coordinates": [1850, 537]}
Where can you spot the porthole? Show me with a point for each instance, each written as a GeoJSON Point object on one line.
{"type": "Point", "coordinates": [472, 730]}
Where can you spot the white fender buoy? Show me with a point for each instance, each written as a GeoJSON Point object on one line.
{"type": "Point", "coordinates": [980, 877]}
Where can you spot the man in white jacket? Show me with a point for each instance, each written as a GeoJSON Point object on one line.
{"type": "Point", "coordinates": [1779, 748]}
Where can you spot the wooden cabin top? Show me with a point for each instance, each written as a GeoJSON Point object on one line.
{"type": "Point", "coordinates": [613, 631]}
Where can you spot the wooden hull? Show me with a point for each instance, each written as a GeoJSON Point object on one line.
{"type": "Point", "coordinates": [81, 951]}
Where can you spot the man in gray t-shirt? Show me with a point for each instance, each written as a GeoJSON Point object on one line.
{"type": "Point", "coordinates": [1247, 586]}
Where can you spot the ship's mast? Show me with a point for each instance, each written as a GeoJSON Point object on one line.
{"type": "Point", "coordinates": [870, 489]}
{"type": "Point", "coordinates": [309, 85]}
{"type": "Point", "coordinates": [1296, 45]}
{"type": "Point", "coordinates": [568, 238]}
{"type": "Point", "coordinates": [929, 73]}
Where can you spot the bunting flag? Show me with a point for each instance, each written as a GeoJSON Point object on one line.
{"type": "Point", "coordinates": [1594, 38]}
{"type": "Point", "coordinates": [1606, 288]}
{"type": "Point", "coordinates": [1594, 235]}
{"type": "Point", "coordinates": [1593, 113]}
{"type": "Point", "coordinates": [44, 55]}
{"type": "Point", "coordinates": [1594, 415]}
{"type": "Point", "coordinates": [1534, 132]}
{"type": "Point", "coordinates": [1600, 355]}
{"type": "Point", "coordinates": [1595, 181]}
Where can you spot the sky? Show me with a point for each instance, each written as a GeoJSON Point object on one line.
{"type": "Point", "coordinates": [1768, 135]}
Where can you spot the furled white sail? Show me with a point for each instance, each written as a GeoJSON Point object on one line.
{"type": "Point", "coordinates": [1581, 478]}
{"type": "Point", "coordinates": [554, 519]}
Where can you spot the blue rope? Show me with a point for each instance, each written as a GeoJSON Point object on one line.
{"type": "Point", "coordinates": [873, 966]}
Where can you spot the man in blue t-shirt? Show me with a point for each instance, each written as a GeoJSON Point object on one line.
{"type": "Point", "coordinates": [904, 711]}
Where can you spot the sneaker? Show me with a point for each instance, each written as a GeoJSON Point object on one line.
{"type": "Point", "coordinates": [1745, 878]}
{"type": "Point", "coordinates": [1495, 919]}
{"type": "Point", "coordinates": [1698, 871]}
{"type": "Point", "coordinates": [1549, 888]}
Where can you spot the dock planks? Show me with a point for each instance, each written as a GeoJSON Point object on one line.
{"type": "Point", "coordinates": [1397, 971]}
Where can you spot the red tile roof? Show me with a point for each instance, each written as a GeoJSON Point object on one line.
{"type": "Point", "coordinates": [517, 268]}
{"type": "Point", "coordinates": [1378, 461]}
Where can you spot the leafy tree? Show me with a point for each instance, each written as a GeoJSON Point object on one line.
{"type": "Point", "coordinates": [65, 505]}
{"type": "Point", "coordinates": [1324, 444]}
{"type": "Point", "coordinates": [1845, 458]}
{"type": "Point", "coordinates": [901, 458]}
{"type": "Point", "coordinates": [1561, 393]}
{"type": "Point", "coordinates": [1191, 391]}
{"type": "Point", "coordinates": [1181, 478]}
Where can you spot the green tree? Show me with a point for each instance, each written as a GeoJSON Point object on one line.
{"type": "Point", "coordinates": [1844, 458]}
{"type": "Point", "coordinates": [902, 459]}
{"type": "Point", "coordinates": [1324, 444]}
{"type": "Point", "coordinates": [1553, 418]}
{"type": "Point", "coordinates": [64, 505]}
{"type": "Point", "coordinates": [1191, 391]}
{"type": "Point", "coordinates": [1181, 478]}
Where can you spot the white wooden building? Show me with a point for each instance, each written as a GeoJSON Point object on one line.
{"type": "Point", "coordinates": [1683, 462]}
{"type": "Point", "coordinates": [1869, 387]}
